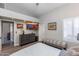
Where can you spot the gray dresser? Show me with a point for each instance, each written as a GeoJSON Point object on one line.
{"type": "Point", "coordinates": [27, 38]}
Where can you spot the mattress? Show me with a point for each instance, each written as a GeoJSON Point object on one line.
{"type": "Point", "coordinates": [38, 49]}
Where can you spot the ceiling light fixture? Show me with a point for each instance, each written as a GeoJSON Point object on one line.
{"type": "Point", "coordinates": [37, 4]}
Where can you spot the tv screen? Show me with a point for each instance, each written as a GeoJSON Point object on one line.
{"type": "Point", "coordinates": [29, 26]}
{"type": "Point", "coordinates": [32, 26]}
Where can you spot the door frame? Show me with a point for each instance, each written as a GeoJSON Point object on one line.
{"type": "Point", "coordinates": [3, 21]}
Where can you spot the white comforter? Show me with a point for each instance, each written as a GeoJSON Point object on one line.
{"type": "Point", "coordinates": [38, 49]}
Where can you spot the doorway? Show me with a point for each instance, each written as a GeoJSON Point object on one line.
{"type": "Point", "coordinates": [7, 34]}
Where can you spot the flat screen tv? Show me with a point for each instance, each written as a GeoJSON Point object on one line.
{"type": "Point", "coordinates": [29, 26]}
{"type": "Point", "coordinates": [32, 26]}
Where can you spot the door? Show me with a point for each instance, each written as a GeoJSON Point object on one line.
{"type": "Point", "coordinates": [7, 32]}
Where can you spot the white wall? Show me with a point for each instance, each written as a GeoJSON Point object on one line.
{"type": "Point", "coordinates": [17, 32]}
{"type": "Point", "coordinates": [66, 11]}
{"type": "Point", "coordinates": [51, 34]}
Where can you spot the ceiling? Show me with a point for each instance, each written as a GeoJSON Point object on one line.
{"type": "Point", "coordinates": [32, 9]}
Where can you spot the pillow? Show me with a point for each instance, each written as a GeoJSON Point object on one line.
{"type": "Point", "coordinates": [45, 41]}
{"type": "Point", "coordinates": [51, 42]}
{"type": "Point", "coordinates": [60, 44]}
{"type": "Point", "coordinates": [64, 44]}
{"type": "Point", "coordinates": [57, 44]}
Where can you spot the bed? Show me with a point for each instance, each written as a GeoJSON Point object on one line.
{"type": "Point", "coordinates": [38, 49]}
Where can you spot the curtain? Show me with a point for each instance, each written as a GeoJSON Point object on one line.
{"type": "Point", "coordinates": [71, 29]}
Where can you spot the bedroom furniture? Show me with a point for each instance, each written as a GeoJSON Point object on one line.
{"type": "Point", "coordinates": [55, 43]}
{"type": "Point", "coordinates": [27, 38]}
{"type": "Point", "coordinates": [38, 49]}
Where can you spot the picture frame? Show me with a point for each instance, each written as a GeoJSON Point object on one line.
{"type": "Point", "coordinates": [32, 26]}
{"type": "Point", "coordinates": [52, 26]}
{"type": "Point", "coordinates": [19, 26]}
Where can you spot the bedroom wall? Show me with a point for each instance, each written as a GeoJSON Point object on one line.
{"type": "Point", "coordinates": [8, 13]}
{"type": "Point", "coordinates": [66, 11]}
{"type": "Point", "coordinates": [50, 34]}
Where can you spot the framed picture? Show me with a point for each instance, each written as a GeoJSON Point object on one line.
{"type": "Point", "coordinates": [20, 26]}
{"type": "Point", "coordinates": [32, 26]}
{"type": "Point", "coordinates": [52, 26]}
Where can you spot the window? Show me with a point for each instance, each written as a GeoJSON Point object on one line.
{"type": "Point", "coordinates": [71, 29]}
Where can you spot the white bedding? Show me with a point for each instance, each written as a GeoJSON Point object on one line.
{"type": "Point", "coordinates": [38, 49]}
